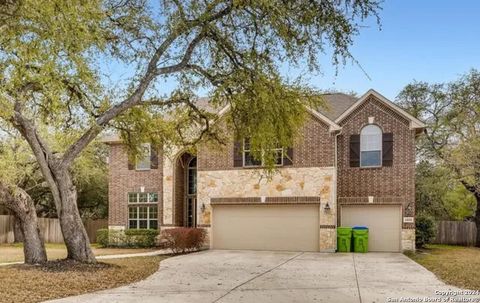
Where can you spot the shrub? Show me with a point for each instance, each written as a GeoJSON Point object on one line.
{"type": "Point", "coordinates": [181, 240]}
{"type": "Point", "coordinates": [425, 230]}
{"type": "Point", "coordinates": [141, 237]}
{"type": "Point", "coordinates": [129, 237]}
{"type": "Point", "coordinates": [116, 238]}
{"type": "Point", "coordinates": [102, 237]}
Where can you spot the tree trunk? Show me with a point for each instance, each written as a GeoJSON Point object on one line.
{"type": "Point", "coordinates": [57, 175]}
{"type": "Point", "coordinates": [73, 230]}
{"type": "Point", "coordinates": [23, 208]}
{"type": "Point", "coordinates": [17, 231]}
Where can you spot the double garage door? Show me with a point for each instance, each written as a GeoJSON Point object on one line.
{"type": "Point", "coordinates": [296, 227]}
{"type": "Point", "coordinates": [266, 227]}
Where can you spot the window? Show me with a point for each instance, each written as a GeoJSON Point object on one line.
{"type": "Point", "coordinates": [371, 146]}
{"type": "Point", "coordinates": [142, 217]}
{"type": "Point", "coordinates": [143, 160]}
{"type": "Point", "coordinates": [142, 197]}
{"type": "Point", "coordinates": [249, 161]}
{"type": "Point", "coordinates": [192, 177]}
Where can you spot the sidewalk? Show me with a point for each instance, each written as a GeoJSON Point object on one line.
{"type": "Point", "coordinates": [120, 256]}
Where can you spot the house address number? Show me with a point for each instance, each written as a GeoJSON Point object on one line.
{"type": "Point", "coordinates": [408, 220]}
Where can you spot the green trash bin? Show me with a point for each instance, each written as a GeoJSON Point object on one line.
{"type": "Point", "coordinates": [344, 239]}
{"type": "Point", "coordinates": [360, 239]}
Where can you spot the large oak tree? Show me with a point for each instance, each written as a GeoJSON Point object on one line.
{"type": "Point", "coordinates": [452, 113]}
{"type": "Point", "coordinates": [53, 54]}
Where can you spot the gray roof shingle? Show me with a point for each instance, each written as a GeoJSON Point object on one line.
{"type": "Point", "coordinates": [336, 104]}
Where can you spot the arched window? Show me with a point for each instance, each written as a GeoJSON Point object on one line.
{"type": "Point", "coordinates": [371, 146]}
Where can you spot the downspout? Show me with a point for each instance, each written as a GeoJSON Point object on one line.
{"type": "Point", "coordinates": [335, 186]}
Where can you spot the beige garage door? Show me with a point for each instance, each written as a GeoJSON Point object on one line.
{"type": "Point", "coordinates": [383, 221]}
{"type": "Point", "coordinates": [265, 227]}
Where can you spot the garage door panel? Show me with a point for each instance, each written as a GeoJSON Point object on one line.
{"type": "Point", "coordinates": [383, 221]}
{"type": "Point", "coordinates": [265, 227]}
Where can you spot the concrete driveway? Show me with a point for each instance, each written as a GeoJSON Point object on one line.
{"type": "Point", "coordinates": [259, 276]}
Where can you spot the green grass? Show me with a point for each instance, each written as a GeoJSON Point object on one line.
{"type": "Point", "coordinates": [455, 265]}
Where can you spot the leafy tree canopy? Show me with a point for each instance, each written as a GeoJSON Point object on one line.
{"type": "Point", "coordinates": [440, 195]}
{"type": "Point", "coordinates": [452, 113]}
{"type": "Point", "coordinates": [53, 52]}
{"type": "Point", "coordinates": [53, 56]}
{"type": "Point", "coordinates": [452, 140]}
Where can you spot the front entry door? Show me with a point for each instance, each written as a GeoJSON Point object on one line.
{"type": "Point", "coordinates": [191, 194]}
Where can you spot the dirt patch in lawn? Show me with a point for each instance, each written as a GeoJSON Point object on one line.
{"type": "Point", "coordinates": [62, 278]}
{"type": "Point", "coordinates": [14, 252]}
{"type": "Point", "coordinates": [455, 265]}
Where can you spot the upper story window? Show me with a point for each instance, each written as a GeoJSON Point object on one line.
{"type": "Point", "coordinates": [142, 197]}
{"type": "Point", "coordinates": [144, 159]}
{"type": "Point", "coordinates": [371, 146]}
{"type": "Point", "coordinates": [249, 161]}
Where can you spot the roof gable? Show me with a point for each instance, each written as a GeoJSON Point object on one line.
{"type": "Point", "coordinates": [414, 122]}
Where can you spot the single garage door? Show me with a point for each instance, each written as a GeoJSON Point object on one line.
{"type": "Point", "coordinates": [266, 227]}
{"type": "Point", "coordinates": [383, 222]}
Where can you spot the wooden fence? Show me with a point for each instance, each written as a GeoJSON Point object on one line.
{"type": "Point", "coordinates": [456, 233]}
{"type": "Point", "coordinates": [50, 229]}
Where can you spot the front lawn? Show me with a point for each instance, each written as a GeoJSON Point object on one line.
{"type": "Point", "coordinates": [455, 265]}
{"type": "Point", "coordinates": [14, 252]}
{"type": "Point", "coordinates": [60, 278]}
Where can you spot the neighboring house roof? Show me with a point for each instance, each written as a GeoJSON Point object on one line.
{"type": "Point", "coordinates": [414, 122]}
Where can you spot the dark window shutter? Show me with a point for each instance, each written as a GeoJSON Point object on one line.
{"type": "Point", "coordinates": [237, 154]}
{"type": "Point", "coordinates": [153, 158]}
{"type": "Point", "coordinates": [354, 150]}
{"type": "Point", "coordinates": [387, 149]}
{"type": "Point", "coordinates": [288, 156]}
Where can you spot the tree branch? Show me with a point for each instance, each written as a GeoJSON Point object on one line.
{"type": "Point", "coordinates": [152, 71]}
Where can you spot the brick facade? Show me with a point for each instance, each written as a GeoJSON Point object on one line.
{"type": "Point", "coordinates": [121, 181]}
{"type": "Point", "coordinates": [316, 174]}
{"type": "Point", "coordinates": [315, 147]}
{"type": "Point", "coordinates": [388, 184]}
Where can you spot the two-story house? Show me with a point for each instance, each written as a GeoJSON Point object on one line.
{"type": "Point", "coordinates": [353, 164]}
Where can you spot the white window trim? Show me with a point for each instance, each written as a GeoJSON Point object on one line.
{"type": "Point", "coordinates": [380, 150]}
{"type": "Point", "coordinates": [138, 217]}
{"type": "Point", "coordinates": [138, 198]}
{"type": "Point", "coordinates": [261, 164]}
{"type": "Point", "coordinates": [146, 145]}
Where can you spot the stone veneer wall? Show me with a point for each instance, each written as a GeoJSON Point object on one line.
{"type": "Point", "coordinates": [288, 182]}
{"type": "Point", "coordinates": [408, 239]}
{"type": "Point", "coordinates": [168, 172]}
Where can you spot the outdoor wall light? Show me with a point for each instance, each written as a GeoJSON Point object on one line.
{"type": "Point", "coordinates": [327, 207]}
{"type": "Point", "coordinates": [202, 208]}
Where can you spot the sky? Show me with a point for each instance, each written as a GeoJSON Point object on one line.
{"type": "Point", "coordinates": [423, 40]}
{"type": "Point", "coordinates": [433, 41]}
